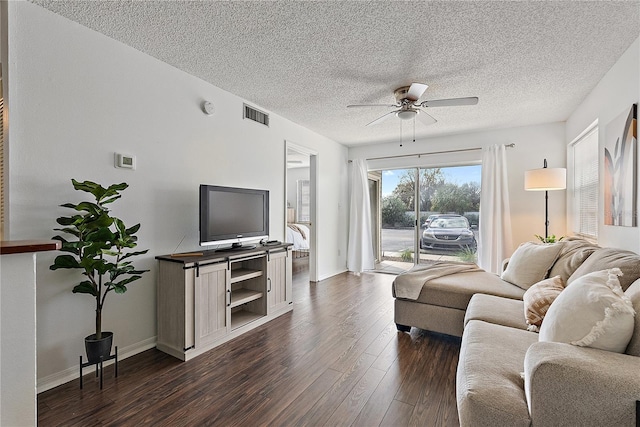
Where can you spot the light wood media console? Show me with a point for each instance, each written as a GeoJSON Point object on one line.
{"type": "Point", "coordinates": [207, 299]}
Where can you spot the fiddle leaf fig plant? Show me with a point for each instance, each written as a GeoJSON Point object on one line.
{"type": "Point", "coordinates": [100, 247]}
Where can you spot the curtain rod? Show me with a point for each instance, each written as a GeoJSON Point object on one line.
{"type": "Point", "coordinates": [433, 152]}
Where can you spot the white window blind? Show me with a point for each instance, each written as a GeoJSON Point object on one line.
{"type": "Point", "coordinates": [585, 184]}
{"type": "Point", "coordinates": [304, 211]}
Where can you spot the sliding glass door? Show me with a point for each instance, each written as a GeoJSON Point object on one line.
{"type": "Point", "coordinates": [427, 215]}
{"type": "Point", "coordinates": [398, 220]}
{"type": "Point", "coordinates": [449, 213]}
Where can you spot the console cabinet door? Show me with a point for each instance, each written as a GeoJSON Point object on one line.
{"type": "Point", "coordinates": [175, 308]}
{"type": "Point", "coordinates": [210, 304]}
{"type": "Point", "coordinates": [279, 285]}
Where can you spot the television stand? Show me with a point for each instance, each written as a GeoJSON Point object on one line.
{"type": "Point", "coordinates": [207, 300]}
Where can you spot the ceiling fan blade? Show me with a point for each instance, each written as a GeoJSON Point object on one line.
{"type": "Point", "coordinates": [415, 91]}
{"type": "Point", "coordinates": [373, 105]}
{"type": "Point", "coordinates": [426, 118]}
{"type": "Point", "coordinates": [382, 118]}
{"type": "Point", "coordinates": [452, 102]}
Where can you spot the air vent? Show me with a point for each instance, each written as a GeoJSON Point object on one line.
{"type": "Point", "coordinates": [256, 115]}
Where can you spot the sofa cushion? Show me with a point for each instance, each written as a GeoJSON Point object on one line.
{"type": "Point", "coordinates": [604, 258]}
{"type": "Point", "coordinates": [530, 263]}
{"type": "Point", "coordinates": [591, 312]}
{"type": "Point", "coordinates": [578, 386]}
{"type": "Point", "coordinates": [496, 310]}
{"type": "Point", "coordinates": [489, 386]}
{"type": "Point", "coordinates": [538, 299]}
{"type": "Point", "coordinates": [573, 253]}
{"type": "Point", "coordinates": [456, 290]}
{"type": "Point", "coordinates": [634, 295]}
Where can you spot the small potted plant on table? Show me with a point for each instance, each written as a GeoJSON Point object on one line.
{"type": "Point", "coordinates": [101, 250]}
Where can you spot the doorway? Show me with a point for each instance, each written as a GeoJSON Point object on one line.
{"type": "Point", "coordinates": [428, 215]}
{"type": "Point", "coordinates": [300, 199]}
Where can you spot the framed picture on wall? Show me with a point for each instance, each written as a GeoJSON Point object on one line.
{"type": "Point", "coordinates": [620, 169]}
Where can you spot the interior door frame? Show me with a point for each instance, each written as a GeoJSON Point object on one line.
{"type": "Point", "coordinates": [313, 202]}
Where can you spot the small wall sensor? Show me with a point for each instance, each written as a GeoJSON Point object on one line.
{"type": "Point", "coordinates": [125, 161]}
{"type": "Point", "coordinates": [208, 108]}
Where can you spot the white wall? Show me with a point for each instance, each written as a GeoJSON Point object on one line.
{"type": "Point", "coordinates": [533, 145]}
{"type": "Point", "coordinates": [76, 98]}
{"type": "Point", "coordinates": [614, 94]}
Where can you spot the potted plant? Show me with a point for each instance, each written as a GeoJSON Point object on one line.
{"type": "Point", "coordinates": [549, 239]}
{"type": "Point", "coordinates": [101, 250]}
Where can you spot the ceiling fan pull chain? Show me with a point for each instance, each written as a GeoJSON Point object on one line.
{"type": "Point", "coordinates": [400, 133]}
{"type": "Point", "coordinates": [414, 129]}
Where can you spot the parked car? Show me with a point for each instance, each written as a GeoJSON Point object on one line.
{"type": "Point", "coordinates": [434, 216]}
{"type": "Point", "coordinates": [448, 232]}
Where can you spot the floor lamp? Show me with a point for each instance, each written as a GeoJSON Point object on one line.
{"type": "Point", "coordinates": [545, 179]}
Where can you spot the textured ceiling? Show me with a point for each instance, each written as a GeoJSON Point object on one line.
{"type": "Point", "coordinates": [528, 62]}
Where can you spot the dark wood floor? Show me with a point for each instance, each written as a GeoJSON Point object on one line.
{"type": "Point", "coordinates": [336, 360]}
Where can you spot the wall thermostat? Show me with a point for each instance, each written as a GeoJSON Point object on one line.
{"type": "Point", "coordinates": [125, 161]}
{"type": "Point", "coordinates": [208, 108]}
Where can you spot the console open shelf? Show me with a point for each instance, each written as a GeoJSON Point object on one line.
{"type": "Point", "coordinates": [240, 274]}
{"type": "Point", "coordinates": [243, 296]}
{"type": "Point", "coordinates": [242, 317]}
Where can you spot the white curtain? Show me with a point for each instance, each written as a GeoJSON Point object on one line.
{"type": "Point", "coordinates": [360, 249]}
{"type": "Point", "coordinates": [495, 216]}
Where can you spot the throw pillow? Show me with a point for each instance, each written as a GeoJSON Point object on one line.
{"type": "Point", "coordinates": [538, 299]}
{"type": "Point", "coordinates": [573, 253]}
{"type": "Point", "coordinates": [591, 312]}
{"type": "Point", "coordinates": [530, 263]}
{"type": "Point", "coordinates": [633, 292]}
{"type": "Point", "coordinates": [604, 258]}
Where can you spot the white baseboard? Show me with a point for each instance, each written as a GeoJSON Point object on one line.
{"type": "Point", "coordinates": [328, 276]}
{"type": "Point", "coordinates": [72, 373]}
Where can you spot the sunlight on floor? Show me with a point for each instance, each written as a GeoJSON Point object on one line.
{"type": "Point", "coordinates": [392, 265]}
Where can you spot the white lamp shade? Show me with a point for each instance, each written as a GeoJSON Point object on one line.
{"type": "Point", "coordinates": [545, 179]}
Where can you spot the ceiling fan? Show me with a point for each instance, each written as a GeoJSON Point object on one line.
{"type": "Point", "coordinates": [407, 106]}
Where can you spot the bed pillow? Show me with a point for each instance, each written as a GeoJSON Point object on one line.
{"type": "Point", "coordinates": [538, 299]}
{"type": "Point", "coordinates": [591, 312]}
{"type": "Point", "coordinates": [530, 263]}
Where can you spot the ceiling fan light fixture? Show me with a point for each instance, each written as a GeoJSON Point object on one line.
{"type": "Point", "coordinates": [406, 114]}
{"type": "Point", "coordinates": [407, 106]}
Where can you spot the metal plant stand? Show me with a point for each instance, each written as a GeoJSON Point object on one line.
{"type": "Point", "coordinates": [99, 367]}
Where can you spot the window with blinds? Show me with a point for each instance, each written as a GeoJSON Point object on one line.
{"type": "Point", "coordinates": [585, 184]}
{"type": "Point", "coordinates": [304, 199]}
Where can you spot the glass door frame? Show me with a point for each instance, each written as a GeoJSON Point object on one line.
{"type": "Point", "coordinates": [417, 226]}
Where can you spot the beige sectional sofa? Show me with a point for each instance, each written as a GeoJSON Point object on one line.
{"type": "Point", "coordinates": [508, 377]}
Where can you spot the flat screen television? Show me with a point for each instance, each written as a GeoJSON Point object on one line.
{"type": "Point", "coordinates": [233, 215]}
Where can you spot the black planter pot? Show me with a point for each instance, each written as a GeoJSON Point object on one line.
{"type": "Point", "coordinates": [96, 348]}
